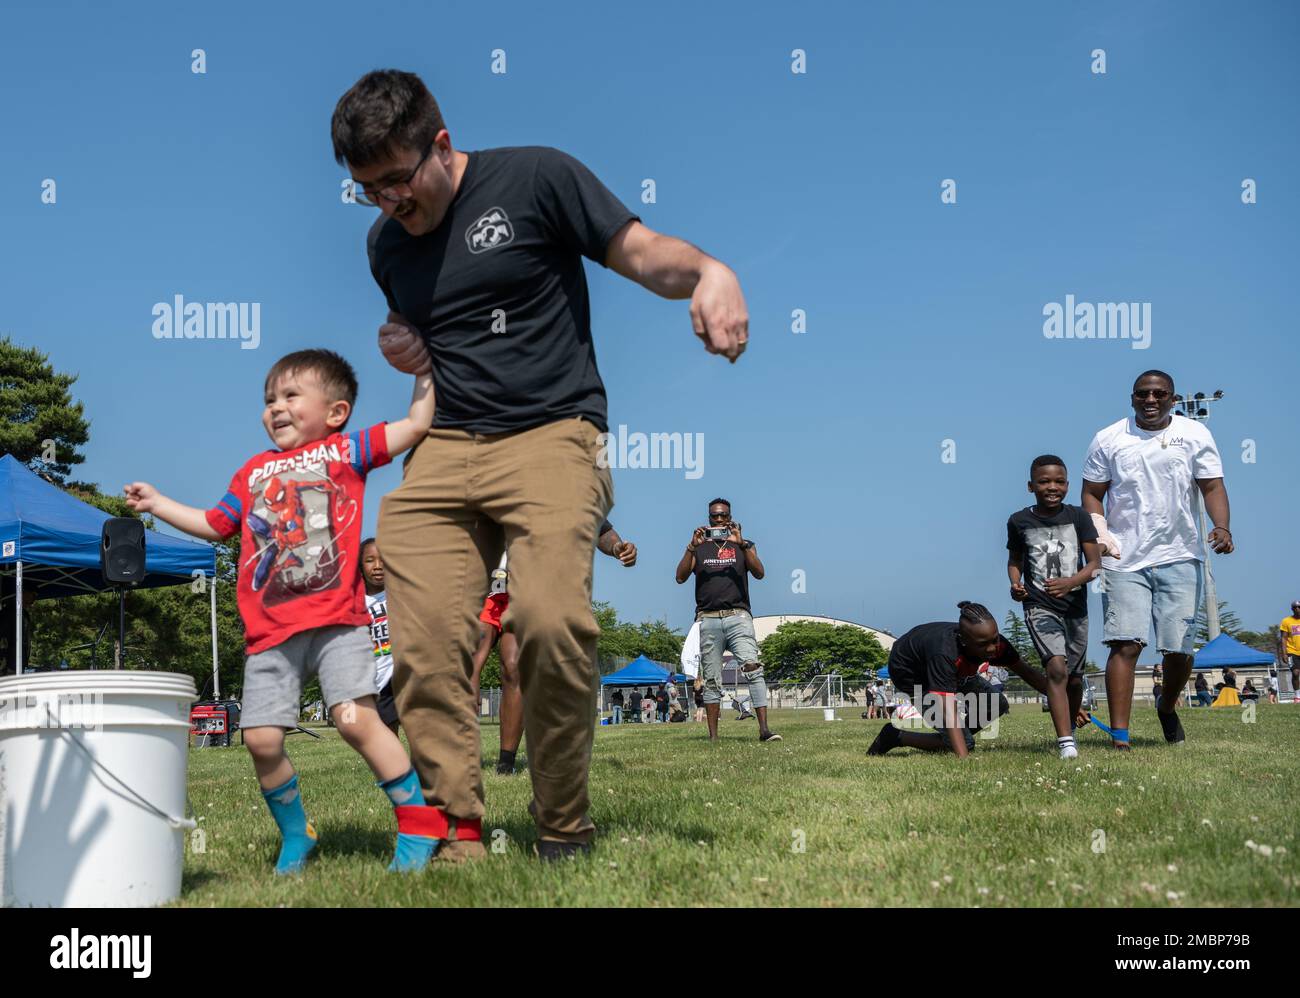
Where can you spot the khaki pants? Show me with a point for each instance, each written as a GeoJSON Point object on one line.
{"type": "Point", "coordinates": [464, 496]}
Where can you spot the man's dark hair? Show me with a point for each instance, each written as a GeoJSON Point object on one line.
{"type": "Point", "coordinates": [714, 502]}
{"type": "Point", "coordinates": [334, 373]}
{"type": "Point", "coordinates": [1043, 461]}
{"type": "Point", "coordinates": [1155, 374]}
{"type": "Point", "coordinates": [386, 110]}
{"type": "Point", "coordinates": [973, 613]}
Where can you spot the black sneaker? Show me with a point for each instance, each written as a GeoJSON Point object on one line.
{"type": "Point", "coordinates": [552, 852]}
{"type": "Point", "coordinates": [770, 736]}
{"type": "Point", "coordinates": [885, 740]}
{"type": "Point", "coordinates": [505, 769]}
{"type": "Point", "coordinates": [1173, 727]}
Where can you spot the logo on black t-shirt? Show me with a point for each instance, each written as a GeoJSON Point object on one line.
{"type": "Point", "coordinates": [723, 556]}
{"type": "Point", "coordinates": [492, 229]}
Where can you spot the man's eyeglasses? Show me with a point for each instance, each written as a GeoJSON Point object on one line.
{"type": "Point", "coordinates": [1159, 394]}
{"type": "Point", "coordinates": [720, 516]}
{"type": "Point", "coordinates": [389, 191]}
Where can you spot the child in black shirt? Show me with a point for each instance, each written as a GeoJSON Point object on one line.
{"type": "Point", "coordinates": [1046, 543]}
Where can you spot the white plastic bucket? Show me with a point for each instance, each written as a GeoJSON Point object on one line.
{"type": "Point", "coordinates": [828, 713]}
{"type": "Point", "coordinates": [92, 787]}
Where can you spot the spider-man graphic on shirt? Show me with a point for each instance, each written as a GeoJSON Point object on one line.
{"type": "Point", "coordinates": [300, 511]}
{"type": "Point", "coordinates": [285, 529]}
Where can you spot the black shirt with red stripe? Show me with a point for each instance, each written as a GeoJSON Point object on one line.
{"type": "Point", "coordinates": [929, 656]}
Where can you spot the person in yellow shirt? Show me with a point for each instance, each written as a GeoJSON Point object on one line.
{"type": "Point", "coordinates": [1288, 644]}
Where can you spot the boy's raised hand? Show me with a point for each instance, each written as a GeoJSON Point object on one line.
{"type": "Point", "coordinates": [141, 496]}
{"type": "Point", "coordinates": [144, 498]}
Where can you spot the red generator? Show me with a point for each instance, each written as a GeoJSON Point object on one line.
{"type": "Point", "coordinates": [213, 722]}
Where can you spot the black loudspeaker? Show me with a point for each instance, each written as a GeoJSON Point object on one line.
{"type": "Point", "coordinates": [121, 550]}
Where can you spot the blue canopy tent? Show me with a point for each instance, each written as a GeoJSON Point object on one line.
{"type": "Point", "coordinates": [641, 671]}
{"type": "Point", "coordinates": [53, 539]}
{"type": "Point", "coordinates": [1226, 650]}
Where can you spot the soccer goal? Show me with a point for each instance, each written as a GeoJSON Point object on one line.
{"type": "Point", "coordinates": [822, 691]}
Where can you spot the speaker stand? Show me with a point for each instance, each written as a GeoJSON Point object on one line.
{"type": "Point", "coordinates": [121, 628]}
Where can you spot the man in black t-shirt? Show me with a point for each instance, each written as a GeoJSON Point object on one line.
{"type": "Point", "coordinates": [1052, 555]}
{"type": "Point", "coordinates": [480, 259]}
{"type": "Point", "coordinates": [934, 664]}
{"type": "Point", "coordinates": [722, 568]}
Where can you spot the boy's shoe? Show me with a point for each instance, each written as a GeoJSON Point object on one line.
{"type": "Point", "coordinates": [1069, 752]}
{"type": "Point", "coordinates": [549, 851]}
{"type": "Point", "coordinates": [885, 740]}
{"type": "Point", "coordinates": [295, 852]}
{"type": "Point", "coordinates": [420, 831]}
{"type": "Point", "coordinates": [297, 834]}
{"type": "Point", "coordinates": [770, 736]}
{"type": "Point", "coordinates": [460, 851]}
{"type": "Point", "coordinates": [505, 769]}
{"type": "Point", "coordinates": [1172, 726]}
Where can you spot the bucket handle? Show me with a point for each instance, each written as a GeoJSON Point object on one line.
{"type": "Point", "coordinates": [172, 821]}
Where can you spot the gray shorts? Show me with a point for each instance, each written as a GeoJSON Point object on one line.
{"type": "Point", "coordinates": [1055, 634]}
{"type": "Point", "coordinates": [342, 657]}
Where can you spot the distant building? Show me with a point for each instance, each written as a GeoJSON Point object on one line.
{"type": "Point", "coordinates": [766, 626]}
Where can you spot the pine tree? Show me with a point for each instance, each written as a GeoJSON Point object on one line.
{"type": "Point", "coordinates": [40, 425]}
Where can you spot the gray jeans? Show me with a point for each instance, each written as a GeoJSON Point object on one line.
{"type": "Point", "coordinates": [733, 633]}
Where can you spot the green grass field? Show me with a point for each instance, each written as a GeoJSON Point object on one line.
{"type": "Point", "coordinates": [685, 823]}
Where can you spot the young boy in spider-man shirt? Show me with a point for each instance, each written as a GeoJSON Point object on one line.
{"type": "Point", "coordinates": [300, 587]}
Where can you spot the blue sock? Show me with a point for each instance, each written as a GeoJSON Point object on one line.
{"type": "Point", "coordinates": [412, 852]}
{"type": "Point", "coordinates": [296, 832]}
{"type": "Point", "coordinates": [404, 789]}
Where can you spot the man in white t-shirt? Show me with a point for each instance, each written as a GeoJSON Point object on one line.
{"type": "Point", "coordinates": [372, 575]}
{"type": "Point", "coordinates": [1144, 468]}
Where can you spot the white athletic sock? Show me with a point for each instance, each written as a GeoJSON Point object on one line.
{"type": "Point", "coordinates": [1066, 745]}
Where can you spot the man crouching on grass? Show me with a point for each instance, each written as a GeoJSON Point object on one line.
{"type": "Point", "coordinates": [934, 664]}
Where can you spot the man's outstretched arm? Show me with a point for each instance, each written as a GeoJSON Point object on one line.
{"type": "Point", "coordinates": [673, 268]}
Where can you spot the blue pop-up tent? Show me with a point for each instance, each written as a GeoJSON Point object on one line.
{"type": "Point", "coordinates": [53, 539]}
{"type": "Point", "coordinates": [641, 671]}
{"type": "Point", "coordinates": [1226, 650]}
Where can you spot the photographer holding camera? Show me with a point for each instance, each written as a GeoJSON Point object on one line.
{"type": "Point", "coordinates": [722, 560]}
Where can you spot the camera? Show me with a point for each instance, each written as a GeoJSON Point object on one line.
{"type": "Point", "coordinates": [718, 533]}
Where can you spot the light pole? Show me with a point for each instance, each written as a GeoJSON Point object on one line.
{"type": "Point", "coordinates": [1197, 407]}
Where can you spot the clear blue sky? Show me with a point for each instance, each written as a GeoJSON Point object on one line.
{"type": "Point", "coordinates": [822, 190]}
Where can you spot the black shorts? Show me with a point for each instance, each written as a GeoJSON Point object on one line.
{"type": "Point", "coordinates": [386, 705]}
